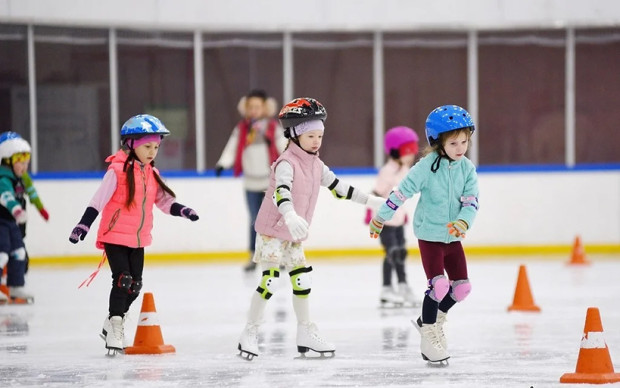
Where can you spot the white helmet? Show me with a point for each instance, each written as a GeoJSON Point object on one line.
{"type": "Point", "coordinates": [11, 143]}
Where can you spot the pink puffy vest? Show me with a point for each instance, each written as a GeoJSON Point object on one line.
{"type": "Point", "coordinates": [307, 172]}
{"type": "Point", "coordinates": [131, 226]}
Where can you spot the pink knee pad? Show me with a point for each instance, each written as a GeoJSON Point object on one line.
{"type": "Point", "coordinates": [460, 289]}
{"type": "Point", "coordinates": [438, 288]}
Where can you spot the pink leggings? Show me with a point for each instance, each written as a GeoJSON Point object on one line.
{"type": "Point", "coordinates": [437, 257]}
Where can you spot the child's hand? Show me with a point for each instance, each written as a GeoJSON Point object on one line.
{"type": "Point", "coordinates": [368, 216]}
{"type": "Point", "coordinates": [376, 227]}
{"type": "Point", "coordinates": [457, 228]}
{"type": "Point", "coordinates": [20, 215]}
{"type": "Point", "coordinates": [79, 232]}
{"type": "Point", "coordinates": [296, 225]}
{"type": "Point", "coordinates": [374, 202]}
{"type": "Point", "coordinates": [44, 214]}
{"type": "Point", "coordinates": [189, 213]}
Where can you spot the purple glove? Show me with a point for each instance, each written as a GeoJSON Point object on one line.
{"type": "Point", "coordinates": [187, 212]}
{"type": "Point", "coordinates": [79, 232]}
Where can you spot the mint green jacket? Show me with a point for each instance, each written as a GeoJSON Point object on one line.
{"type": "Point", "coordinates": [447, 195]}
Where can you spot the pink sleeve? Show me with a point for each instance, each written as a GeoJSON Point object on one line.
{"type": "Point", "coordinates": [105, 191]}
{"type": "Point", "coordinates": [164, 200]}
{"type": "Point", "coordinates": [384, 184]}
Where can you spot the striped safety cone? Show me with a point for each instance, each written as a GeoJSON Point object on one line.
{"type": "Point", "coordinates": [149, 339]}
{"type": "Point", "coordinates": [593, 363]}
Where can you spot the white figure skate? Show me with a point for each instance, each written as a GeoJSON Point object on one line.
{"type": "Point", "coordinates": [405, 292]}
{"type": "Point", "coordinates": [309, 338]}
{"type": "Point", "coordinates": [389, 298]}
{"type": "Point", "coordinates": [441, 319]}
{"type": "Point", "coordinates": [248, 342]}
{"type": "Point", "coordinates": [430, 345]}
{"type": "Point", "coordinates": [19, 295]}
{"type": "Point", "coordinates": [113, 334]}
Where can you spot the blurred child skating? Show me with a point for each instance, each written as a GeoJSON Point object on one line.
{"type": "Point", "coordinates": [401, 147]}
{"type": "Point", "coordinates": [125, 199]}
{"type": "Point", "coordinates": [284, 218]}
{"type": "Point", "coordinates": [255, 143]}
{"type": "Point", "coordinates": [448, 185]}
{"type": "Point", "coordinates": [15, 155]}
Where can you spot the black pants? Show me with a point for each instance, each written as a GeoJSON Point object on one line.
{"type": "Point", "coordinates": [124, 261]}
{"type": "Point", "coordinates": [393, 241]}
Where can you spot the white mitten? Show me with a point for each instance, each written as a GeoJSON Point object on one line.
{"type": "Point", "coordinates": [20, 215]}
{"type": "Point", "coordinates": [296, 225]}
{"type": "Point", "coordinates": [375, 202]}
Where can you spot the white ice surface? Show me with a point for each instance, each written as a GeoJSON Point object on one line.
{"type": "Point", "coordinates": [202, 310]}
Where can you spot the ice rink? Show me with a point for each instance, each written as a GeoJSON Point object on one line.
{"type": "Point", "coordinates": [202, 307]}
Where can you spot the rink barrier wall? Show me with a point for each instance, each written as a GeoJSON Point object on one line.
{"type": "Point", "coordinates": [559, 252]}
{"type": "Point", "coordinates": [528, 211]}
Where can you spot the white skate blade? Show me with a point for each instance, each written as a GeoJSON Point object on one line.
{"type": "Point", "coordinates": [317, 355]}
{"type": "Point", "coordinates": [248, 356]}
{"type": "Point", "coordinates": [113, 352]}
{"type": "Point", "coordinates": [436, 364]}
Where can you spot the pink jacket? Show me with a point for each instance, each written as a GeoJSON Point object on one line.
{"type": "Point", "coordinates": [308, 170]}
{"type": "Point", "coordinates": [131, 226]}
{"type": "Point", "coordinates": [389, 177]}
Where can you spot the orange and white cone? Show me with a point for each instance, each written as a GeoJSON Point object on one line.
{"type": "Point", "coordinates": [149, 339]}
{"type": "Point", "coordinates": [523, 299]}
{"type": "Point", "coordinates": [593, 363]}
{"type": "Point", "coordinates": [578, 255]}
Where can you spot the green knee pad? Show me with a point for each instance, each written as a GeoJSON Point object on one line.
{"type": "Point", "coordinates": [267, 282]}
{"type": "Point", "coordinates": [301, 280]}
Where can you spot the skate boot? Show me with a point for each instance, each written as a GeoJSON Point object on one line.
{"type": "Point", "coordinates": [441, 319]}
{"type": "Point", "coordinates": [309, 338]}
{"type": "Point", "coordinates": [248, 342]}
{"type": "Point", "coordinates": [19, 295]}
{"type": "Point", "coordinates": [430, 345]}
{"type": "Point", "coordinates": [3, 298]}
{"type": "Point", "coordinates": [113, 333]}
{"type": "Point", "coordinates": [406, 293]}
{"type": "Point", "coordinates": [389, 298]}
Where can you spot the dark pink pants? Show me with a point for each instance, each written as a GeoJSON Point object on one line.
{"type": "Point", "coordinates": [437, 257]}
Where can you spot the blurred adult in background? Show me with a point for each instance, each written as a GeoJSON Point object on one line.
{"type": "Point", "coordinates": [255, 143]}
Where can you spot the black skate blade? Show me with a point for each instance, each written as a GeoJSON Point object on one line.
{"type": "Point", "coordinates": [244, 354]}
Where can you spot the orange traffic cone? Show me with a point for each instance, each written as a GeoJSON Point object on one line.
{"type": "Point", "coordinates": [3, 287]}
{"type": "Point", "coordinates": [148, 334]}
{"type": "Point", "coordinates": [523, 300]}
{"type": "Point", "coordinates": [578, 256]}
{"type": "Point", "coordinates": [593, 363]}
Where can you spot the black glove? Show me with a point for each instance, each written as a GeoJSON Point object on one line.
{"type": "Point", "coordinates": [218, 170]}
{"type": "Point", "coordinates": [80, 230]}
{"type": "Point", "coordinates": [183, 211]}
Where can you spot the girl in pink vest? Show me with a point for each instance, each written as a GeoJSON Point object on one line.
{"type": "Point", "coordinates": [401, 147]}
{"type": "Point", "coordinates": [125, 199]}
{"type": "Point", "coordinates": [284, 218]}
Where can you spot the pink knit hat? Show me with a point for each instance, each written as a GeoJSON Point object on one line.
{"type": "Point", "coordinates": [146, 139]}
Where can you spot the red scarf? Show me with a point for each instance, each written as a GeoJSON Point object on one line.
{"type": "Point", "coordinates": [244, 128]}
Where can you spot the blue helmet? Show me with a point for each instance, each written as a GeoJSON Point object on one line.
{"type": "Point", "coordinates": [447, 118]}
{"type": "Point", "coordinates": [142, 125]}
